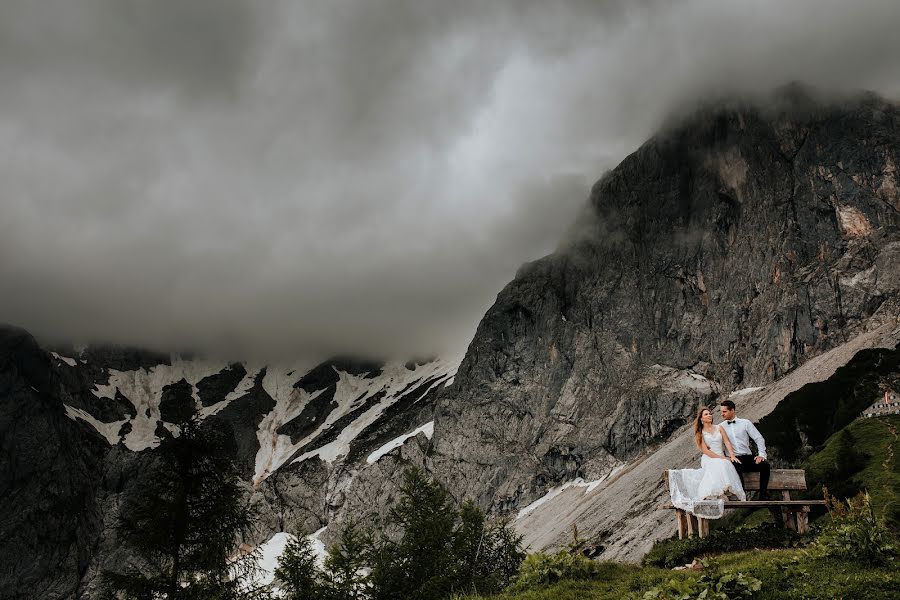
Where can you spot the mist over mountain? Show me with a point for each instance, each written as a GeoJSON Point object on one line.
{"type": "Point", "coordinates": [281, 178]}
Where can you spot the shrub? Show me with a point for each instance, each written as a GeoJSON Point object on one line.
{"type": "Point", "coordinates": [713, 586]}
{"type": "Point", "coordinates": [855, 532]}
{"type": "Point", "coordinates": [542, 569]}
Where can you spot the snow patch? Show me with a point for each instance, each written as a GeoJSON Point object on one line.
{"type": "Point", "coordinates": [427, 429]}
{"type": "Point", "coordinates": [318, 547]}
{"type": "Point", "coordinates": [744, 391]}
{"type": "Point", "coordinates": [270, 553]}
{"type": "Point", "coordinates": [69, 361]}
{"type": "Point", "coordinates": [275, 449]}
{"type": "Point", "coordinates": [352, 392]}
{"type": "Point", "coordinates": [108, 430]}
{"type": "Point", "coordinates": [244, 386]}
{"type": "Point", "coordinates": [589, 486]}
{"type": "Point", "coordinates": [143, 388]}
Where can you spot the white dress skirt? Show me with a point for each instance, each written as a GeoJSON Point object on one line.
{"type": "Point", "coordinates": [702, 491]}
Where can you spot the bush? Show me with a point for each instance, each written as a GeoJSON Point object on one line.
{"type": "Point", "coordinates": [714, 586]}
{"type": "Point", "coordinates": [855, 532]}
{"type": "Point", "coordinates": [674, 552]}
{"type": "Point", "coordinates": [542, 569]}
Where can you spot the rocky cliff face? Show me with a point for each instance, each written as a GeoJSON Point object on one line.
{"type": "Point", "coordinates": [729, 252]}
{"type": "Point", "coordinates": [722, 254]}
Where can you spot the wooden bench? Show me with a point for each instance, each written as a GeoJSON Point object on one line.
{"type": "Point", "coordinates": [794, 513]}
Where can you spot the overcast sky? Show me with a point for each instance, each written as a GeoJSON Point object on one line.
{"type": "Point", "coordinates": [311, 177]}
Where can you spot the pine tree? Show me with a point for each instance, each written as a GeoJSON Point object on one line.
{"type": "Point", "coordinates": [504, 554]}
{"type": "Point", "coordinates": [468, 549]}
{"type": "Point", "coordinates": [420, 565]}
{"type": "Point", "coordinates": [442, 551]}
{"type": "Point", "coordinates": [298, 573]}
{"type": "Point", "coordinates": [346, 565]}
{"type": "Point", "coordinates": [486, 556]}
{"type": "Point", "coordinates": [182, 523]}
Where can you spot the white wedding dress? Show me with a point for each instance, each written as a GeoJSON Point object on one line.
{"type": "Point", "coordinates": [702, 491]}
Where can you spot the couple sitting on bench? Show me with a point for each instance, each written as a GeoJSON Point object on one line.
{"type": "Point", "coordinates": [726, 456]}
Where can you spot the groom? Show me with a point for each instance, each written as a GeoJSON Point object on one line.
{"type": "Point", "coordinates": [739, 432]}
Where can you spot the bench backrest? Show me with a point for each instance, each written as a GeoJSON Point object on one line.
{"type": "Point", "coordinates": [779, 479]}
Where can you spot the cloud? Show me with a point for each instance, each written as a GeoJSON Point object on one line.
{"type": "Point", "coordinates": [317, 177]}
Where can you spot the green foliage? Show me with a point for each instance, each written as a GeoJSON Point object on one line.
{"type": "Point", "coordinates": [297, 572]}
{"type": "Point", "coordinates": [421, 564]}
{"type": "Point", "coordinates": [443, 551]}
{"type": "Point", "coordinates": [879, 472]}
{"type": "Point", "coordinates": [786, 574]}
{"type": "Point", "coordinates": [542, 569]}
{"type": "Point", "coordinates": [673, 552]}
{"type": "Point", "coordinates": [855, 532]}
{"type": "Point", "coordinates": [182, 521]}
{"type": "Point", "coordinates": [487, 557]}
{"type": "Point", "coordinates": [711, 586]}
{"type": "Point", "coordinates": [346, 575]}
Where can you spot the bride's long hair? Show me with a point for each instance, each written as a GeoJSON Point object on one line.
{"type": "Point", "coordinates": [698, 427]}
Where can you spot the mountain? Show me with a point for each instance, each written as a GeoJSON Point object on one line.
{"type": "Point", "coordinates": [77, 428]}
{"type": "Point", "coordinates": [724, 254]}
{"type": "Point", "coordinates": [749, 249]}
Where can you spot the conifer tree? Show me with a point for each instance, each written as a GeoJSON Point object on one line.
{"type": "Point", "coordinates": [347, 564]}
{"type": "Point", "coordinates": [420, 565]}
{"type": "Point", "coordinates": [297, 572]}
{"type": "Point", "coordinates": [182, 522]}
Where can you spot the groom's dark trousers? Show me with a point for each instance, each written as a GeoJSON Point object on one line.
{"type": "Point", "coordinates": [748, 465]}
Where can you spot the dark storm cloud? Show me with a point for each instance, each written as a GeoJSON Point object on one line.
{"type": "Point", "coordinates": [286, 177]}
{"type": "Point", "coordinates": [198, 46]}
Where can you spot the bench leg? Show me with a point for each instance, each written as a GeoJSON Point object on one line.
{"type": "Point", "coordinates": [702, 527]}
{"type": "Point", "coordinates": [691, 524]}
{"type": "Point", "coordinates": [803, 520]}
{"type": "Point", "coordinates": [789, 517]}
{"type": "Point", "coordinates": [680, 516]}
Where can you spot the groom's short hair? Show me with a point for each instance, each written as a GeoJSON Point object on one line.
{"type": "Point", "coordinates": [728, 404]}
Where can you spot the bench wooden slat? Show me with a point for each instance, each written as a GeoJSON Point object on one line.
{"type": "Point", "coordinates": [757, 503]}
{"type": "Point", "coordinates": [765, 503]}
{"type": "Point", "coordinates": [779, 479]}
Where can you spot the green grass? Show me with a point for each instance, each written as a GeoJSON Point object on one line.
{"type": "Point", "coordinates": [785, 575]}
{"type": "Point", "coordinates": [877, 439]}
{"type": "Point", "coordinates": [614, 580]}
{"type": "Point", "coordinates": [793, 575]}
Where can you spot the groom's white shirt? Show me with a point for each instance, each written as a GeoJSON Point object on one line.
{"type": "Point", "coordinates": [739, 432]}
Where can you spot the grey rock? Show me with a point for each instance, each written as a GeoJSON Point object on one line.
{"type": "Point", "coordinates": [743, 242]}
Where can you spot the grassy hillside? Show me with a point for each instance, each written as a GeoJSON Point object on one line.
{"type": "Point", "coordinates": [787, 574]}
{"type": "Point", "coordinates": [863, 456]}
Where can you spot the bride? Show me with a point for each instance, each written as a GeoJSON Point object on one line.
{"type": "Point", "coordinates": [702, 491]}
